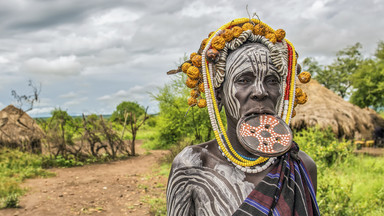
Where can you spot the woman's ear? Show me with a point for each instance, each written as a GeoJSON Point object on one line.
{"type": "Point", "coordinates": [219, 98]}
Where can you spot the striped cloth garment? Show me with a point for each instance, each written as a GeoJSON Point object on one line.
{"type": "Point", "coordinates": [286, 190]}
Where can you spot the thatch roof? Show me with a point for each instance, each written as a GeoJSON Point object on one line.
{"type": "Point", "coordinates": [18, 129]}
{"type": "Point", "coordinates": [326, 109]}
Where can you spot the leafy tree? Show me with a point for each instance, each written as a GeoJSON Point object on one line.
{"type": "Point", "coordinates": [369, 81]}
{"type": "Point", "coordinates": [311, 65]}
{"type": "Point", "coordinates": [127, 107]}
{"type": "Point", "coordinates": [176, 120]}
{"type": "Point", "coordinates": [338, 75]}
{"type": "Point", "coordinates": [379, 54]}
{"type": "Point", "coordinates": [132, 114]}
{"type": "Point", "coordinates": [60, 130]}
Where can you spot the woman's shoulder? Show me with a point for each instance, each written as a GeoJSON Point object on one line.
{"type": "Point", "coordinates": [197, 155]}
{"type": "Point", "coordinates": [311, 167]}
{"type": "Point", "coordinates": [308, 161]}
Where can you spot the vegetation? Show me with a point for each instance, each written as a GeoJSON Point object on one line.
{"type": "Point", "coordinates": [176, 120]}
{"type": "Point", "coordinates": [119, 115]}
{"type": "Point", "coordinates": [353, 77]}
{"type": "Point", "coordinates": [15, 166]}
{"type": "Point", "coordinates": [369, 81]}
{"type": "Point", "coordinates": [348, 184]}
{"type": "Point", "coordinates": [75, 141]}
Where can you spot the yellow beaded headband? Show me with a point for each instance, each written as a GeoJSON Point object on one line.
{"type": "Point", "coordinates": [206, 71]}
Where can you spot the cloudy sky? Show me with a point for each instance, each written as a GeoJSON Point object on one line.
{"type": "Point", "coordinates": [90, 55]}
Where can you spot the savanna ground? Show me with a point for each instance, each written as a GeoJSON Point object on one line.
{"type": "Point", "coordinates": [348, 183]}
{"type": "Point", "coordinates": [127, 187]}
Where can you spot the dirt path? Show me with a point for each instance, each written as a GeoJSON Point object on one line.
{"type": "Point", "coordinates": [117, 188]}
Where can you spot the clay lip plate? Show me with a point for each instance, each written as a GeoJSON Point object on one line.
{"type": "Point", "coordinates": [264, 135]}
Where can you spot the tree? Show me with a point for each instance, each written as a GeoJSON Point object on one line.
{"type": "Point", "coordinates": [135, 124]}
{"type": "Point", "coordinates": [369, 81]}
{"type": "Point", "coordinates": [30, 100]}
{"type": "Point", "coordinates": [176, 120]}
{"type": "Point", "coordinates": [132, 114]}
{"type": "Point", "coordinates": [312, 66]}
{"type": "Point", "coordinates": [60, 130]}
{"type": "Point", "coordinates": [127, 107]}
{"type": "Point", "coordinates": [338, 76]}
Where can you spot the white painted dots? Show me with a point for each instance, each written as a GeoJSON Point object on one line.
{"type": "Point", "coordinates": [267, 125]}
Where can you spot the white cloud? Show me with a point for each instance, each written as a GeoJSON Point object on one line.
{"type": "Point", "coordinates": [62, 66]}
{"type": "Point", "coordinates": [110, 51]}
{"type": "Point", "coordinates": [3, 60]}
{"type": "Point", "coordinates": [75, 102]}
{"type": "Point", "coordinates": [69, 95]}
{"type": "Point", "coordinates": [317, 9]}
{"type": "Point", "coordinates": [41, 111]}
{"type": "Point", "coordinates": [136, 93]}
{"type": "Point", "coordinates": [106, 57]}
{"type": "Point", "coordinates": [117, 15]}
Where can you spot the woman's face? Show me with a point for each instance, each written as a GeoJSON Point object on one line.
{"type": "Point", "coordinates": [252, 84]}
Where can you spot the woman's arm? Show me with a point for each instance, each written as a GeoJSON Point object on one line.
{"type": "Point", "coordinates": [311, 167]}
{"type": "Point", "coordinates": [179, 191]}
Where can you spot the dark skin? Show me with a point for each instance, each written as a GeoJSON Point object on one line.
{"type": "Point", "coordinates": [202, 180]}
{"type": "Point", "coordinates": [255, 99]}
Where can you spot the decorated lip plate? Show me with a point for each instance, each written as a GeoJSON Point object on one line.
{"type": "Point", "coordinates": [264, 135]}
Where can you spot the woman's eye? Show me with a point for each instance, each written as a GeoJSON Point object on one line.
{"type": "Point", "coordinates": [242, 80]}
{"type": "Point", "coordinates": [272, 80]}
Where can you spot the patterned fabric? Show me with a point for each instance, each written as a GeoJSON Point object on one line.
{"type": "Point", "coordinates": [286, 190]}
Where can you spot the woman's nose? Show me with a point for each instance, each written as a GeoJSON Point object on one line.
{"type": "Point", "coordinates": [258, 92]}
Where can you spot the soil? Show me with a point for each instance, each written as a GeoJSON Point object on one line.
{"type": "Point", "coordinates": [117, 188]}
{"type": "Point", "coordinates": [371, 151]}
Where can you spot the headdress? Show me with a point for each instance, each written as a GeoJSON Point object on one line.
{"type": "Point", "coordinates": [206, 71]}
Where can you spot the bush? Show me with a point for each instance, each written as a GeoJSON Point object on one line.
{"type": "Point", "coordinates": [176, 120]}
{"type": "Point", "coordinates": [11, 201]}
{"type": "Point", "coordinates": [347, 184]}
{"type": "Point", "coordinates": [15, 166]}
{"type": "Point", "coordinates": [323, 146]}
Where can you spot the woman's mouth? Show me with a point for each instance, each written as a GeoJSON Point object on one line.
{"type": "Point", "coordinates": [259, 111]}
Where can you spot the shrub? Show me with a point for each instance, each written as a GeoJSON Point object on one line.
{"type": "Point", "coordinates": [323, 146]}
{"type": "Point", "coordinates": [15, 166]}
{"type": "Point", "coordinates": [347, 184]}
{"type": "Point", "coordinates": [11, 201]}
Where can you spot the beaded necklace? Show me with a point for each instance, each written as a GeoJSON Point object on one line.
{"type": "Point", "coordinates": [219, 131]}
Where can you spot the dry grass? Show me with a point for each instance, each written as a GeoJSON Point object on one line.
{"type": "Point", "coordinates": [326, 109]}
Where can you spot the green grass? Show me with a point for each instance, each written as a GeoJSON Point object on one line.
{"type": "Point", "coordinates": [157, 205]}
{"type": "Point", "coordinates": [145, 133]}
{"type": "Point", "coordinates": [16, 166]}
{"type": "Point", "coordinates": [365, 176]}
{"type": "Point", "coordinates": [164, 169]}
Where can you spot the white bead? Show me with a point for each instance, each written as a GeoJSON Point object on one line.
{"type": "Point", "coordinates": [243, 169]}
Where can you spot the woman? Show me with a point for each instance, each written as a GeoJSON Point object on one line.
{"type": "Point", "coordinates": [252, 167]}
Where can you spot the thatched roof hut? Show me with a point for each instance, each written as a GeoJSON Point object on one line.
{"type": "Point", "coordinates": [326, 109]}
{"type": "Point", "coordinates": [19, 130]}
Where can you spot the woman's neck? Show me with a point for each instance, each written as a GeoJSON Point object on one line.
{"type": "Point", "coordinates": [232, 136]}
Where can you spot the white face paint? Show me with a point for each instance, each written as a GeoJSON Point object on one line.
{"type": "Point", "coordinates": [197, 189]}
{"type": "Point", "coordinates": [252, 60]}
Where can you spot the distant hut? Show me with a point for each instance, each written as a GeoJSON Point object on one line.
{"type": "Point", "coordinates": [19, 130]}
{"type": "Point", "coordinates": [326, 109]}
